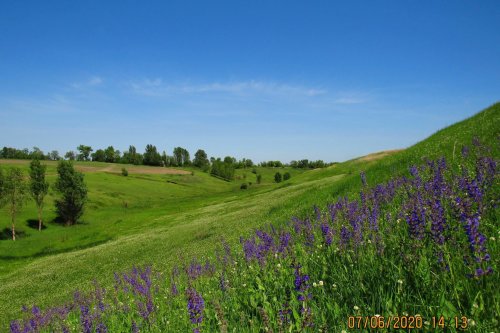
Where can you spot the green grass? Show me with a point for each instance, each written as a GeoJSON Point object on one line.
{"type": "Point", "coordinates": [170, 218]}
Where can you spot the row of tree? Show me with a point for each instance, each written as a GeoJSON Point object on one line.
{"type": "Point", "coordinates": [15, 191]}
{"type": "Point", "coordinates": [180, 157]}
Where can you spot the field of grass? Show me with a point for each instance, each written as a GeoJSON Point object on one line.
{"type": "Point", "coordinates": [165, 220]}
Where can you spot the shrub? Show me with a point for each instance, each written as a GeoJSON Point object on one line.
{"type": "Point", "coordinates": [244, 186]}
{"type": "Point", "coordinates": [124, 172]}
{"type": "Point", "coordinates": [259, 179]}
{"type": "Point", "coordinates": [286, 176]}
{"type": "Point", "coordinates": [277, 177]}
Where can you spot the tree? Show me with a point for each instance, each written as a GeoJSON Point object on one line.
{"type": "Point", "coordinates": [109, 154]}
{"type": "Point", "coordinates": [70, 155]}
{"type": "Point", "coordinates": [185, 157]}
{"type": "Point", "coordinates": [84, 153]}
{"type": "Point", "coordinates": [131, 156]}
{"type": "Point", "coordinates": [37, 153]}
{"type": "Point", "coordinates": [54, 155]}
{"type": "Point", "coordinates": [286, 176]}
{"type": "Point", "coordinates": [99, 156]}
{"type": "Point", "coordinates": [178, 156]}
{"type": "Point", "coordinates": [200, 159]}
{"type": "Point", "coordinates": [38, 187]}
{"type": "Point", "coordinates": [73, 192]}
{"type": "Point", "coordinates": [15, 195]}
{"type": "Point", "coordinates": [151, 156]}
{"type": "Point", "coordinates": [277, 177]}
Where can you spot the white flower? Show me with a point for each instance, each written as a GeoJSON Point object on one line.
{"type": "Point", "coordinates": [343, 331]}
{"type": "Point", "coordinates": [278, 265]}
{"type": "Point", "coordinates": [426, 323]}
{"type": "Point", "coordinates": [314, 284]}
{"type": "Point", "coordinates": [321, 283]}
{"type": "Point", "coordinates": [400, 281]}
{"type": "Point", "coordinates": [472, 322]}
{"type": "Point", "coordinates": [356, 308]}
{"type": "Point", "coordinates": [492, 239]}
{"type": "Point", "coordinates": [377, 315]}
{"type": "Point", "coordinates": [244, 285]}
{"type": "Point", "coordinates": [475, 305]}
{"type": "Point", "coordinates": [334, 286]}
{"type": "Point", "coordinates": [369, 241]}
{"type": "Point", "coordinates": [405, 313]}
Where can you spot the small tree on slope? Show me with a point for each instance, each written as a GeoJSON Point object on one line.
{"type": "Point", "coordinates": [73, 191]}
{"type": "Point", "coordinates": [14, 195]}
{"type": "Point", "coordinates": [38, 187]}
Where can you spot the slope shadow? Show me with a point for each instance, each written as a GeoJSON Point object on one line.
{"type": "Point", "coordinates": [60, 221]}
{"type": "Point", "coordinates": [33, 224]}
{"type": "Point", "coordinates": [6, 234]}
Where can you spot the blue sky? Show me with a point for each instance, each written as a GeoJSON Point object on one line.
{"type": "Point", "coordinates": [258, 79]}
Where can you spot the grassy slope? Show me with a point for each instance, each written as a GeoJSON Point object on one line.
{"type": "Point", "coordinates": [161, 235]}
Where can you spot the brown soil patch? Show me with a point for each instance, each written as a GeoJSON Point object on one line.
{"type": "Point", "coordinates": [111, 168]}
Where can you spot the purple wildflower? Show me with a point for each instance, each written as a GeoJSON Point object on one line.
{"type": "Point", "coordinates": [195, 307]}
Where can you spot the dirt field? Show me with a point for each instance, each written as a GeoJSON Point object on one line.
{"type": "Point", "coordinates": [110, 168]}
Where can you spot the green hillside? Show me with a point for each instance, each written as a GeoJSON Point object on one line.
{"type": "Point", "coordinates": [164, 219]}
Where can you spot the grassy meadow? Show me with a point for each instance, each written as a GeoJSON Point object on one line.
{"type": "Point", "coordinates": [165, 219]}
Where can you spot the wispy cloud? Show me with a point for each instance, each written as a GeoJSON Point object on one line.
{"type": "Point", "coordinates": [349, 100]}
{"type": "Point", "coordinates": [49, 105]}
{"type": "Point", "coordinates": [156, 87]}
{"type": "Point", "coordinates": [93, 81]}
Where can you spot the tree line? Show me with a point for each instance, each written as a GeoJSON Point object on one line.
{"type": "Point", "coordinates": [16, 189]}
{"type": "Point", "coordinates": [180, 157]}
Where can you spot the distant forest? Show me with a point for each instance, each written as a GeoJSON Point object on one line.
{"type": "Point", "coordinates": [180, 157]}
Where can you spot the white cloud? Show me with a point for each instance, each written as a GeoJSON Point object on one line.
{"type": "Point", "coordinates": [156, 87]}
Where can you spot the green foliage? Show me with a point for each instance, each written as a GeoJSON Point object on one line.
{"type": "Point", "coordinates": [38, 187]}
{"type": "Point", "coordinates": [259, 178]}
{"type": "Point", "coordinates": [181, 157]}
{"type": "Point", "coordinates": [15, 194]}
{"type": "Point", "coordinates": [132, 156]}
{"type": "Point", "coordinates": [244, 186]}
{"type": "Point", "coordinates": [99, 156]}
{"type": "Point", "coordinates": [286, 175]}
{"type": "Point", "coordinates": [109, 154]}
{"type": "Point", "coordinates": [124, 172]}
{"type": "Point", "coordinates": [200, 159]}
{"type": "Point", "coordinates": [72, 191]}
{"type": "Point", "coordinates": [277, 177]}
{"type": "Point", "coordinates": [70, 155]}
{"type": "Point", "coordinates": [151, 156]}
{"type": "Point", "coordinates": [223, 169]}
{"type": "Point", "coordinates": [84, 153]}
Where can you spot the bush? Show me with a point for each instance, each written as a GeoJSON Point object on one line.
{"type": "Point", "coordinates": [244, 186]}
{"type": "Point", "coordinates": [277, 177]}
{"type": "Point", "coordinates": [286, 176]}
{"type": "Point", "coordinates": [124, 172]}
{"type": "Point", "coordinates": [254, 171]}
{"type": "Point", "coordinates": [259, 179]}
